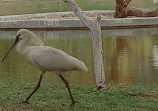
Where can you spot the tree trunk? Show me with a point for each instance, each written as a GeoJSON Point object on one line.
{"type": "Point", "coordinates": [122, 10]}
{"type": "Point", "coordinates": [95, 28]}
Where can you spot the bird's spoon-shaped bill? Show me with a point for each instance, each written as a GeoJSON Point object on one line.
{"type": "Point", "coordinates": [16, 40]}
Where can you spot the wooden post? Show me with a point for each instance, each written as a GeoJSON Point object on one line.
{"type": "Point", "coordinates": [95, 28]}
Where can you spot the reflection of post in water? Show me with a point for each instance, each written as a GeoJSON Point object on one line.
{"type": "Point", "coordinates": [121, 44]}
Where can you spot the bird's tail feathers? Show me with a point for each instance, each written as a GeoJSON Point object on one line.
{"type": "Point", "coordinates": [80, 65]}
{"type": "Point", "coordinates": [84, 67]}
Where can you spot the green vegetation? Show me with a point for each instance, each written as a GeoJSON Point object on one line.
{"type": "Point", "coordinates": [45, 6]}
{"type": "Point", "coordinates": [56, 98]}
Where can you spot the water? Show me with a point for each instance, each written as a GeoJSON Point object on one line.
{"type": "Point", "coordinates": [130, 56]}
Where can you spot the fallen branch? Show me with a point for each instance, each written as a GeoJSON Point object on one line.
{"type": "Point", "coordinates": [138, 12]}
{"type": "Point", "coordinates": [122, 10]}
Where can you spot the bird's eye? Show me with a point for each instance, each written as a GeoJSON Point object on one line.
{"type": "Point", "coordinates": [19, 37]}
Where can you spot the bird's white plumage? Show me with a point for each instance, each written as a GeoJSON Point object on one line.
{"type": "Point", "coordinates": [44, 57]}
{"type": "Point", "coordinates": [51, 59]}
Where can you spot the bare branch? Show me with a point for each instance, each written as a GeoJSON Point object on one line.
{"type": "Point", "coordinates": [95, 28]}
{"type": "Point", "coordinates": [128, 1]}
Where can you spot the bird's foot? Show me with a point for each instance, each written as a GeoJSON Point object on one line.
{"type": "Point", "coordinates": [25, 102]}
{"type": "Point", "coordinates": [73, 103]}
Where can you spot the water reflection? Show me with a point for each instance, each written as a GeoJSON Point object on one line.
{"type": "Point", "coordinates": [130, 56]}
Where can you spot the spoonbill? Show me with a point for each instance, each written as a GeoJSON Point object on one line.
{"type": "Point", "coordinates": [45, 58]}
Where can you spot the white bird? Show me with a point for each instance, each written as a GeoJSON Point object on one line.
{"type": "Point", "coordinates": [45, 58]}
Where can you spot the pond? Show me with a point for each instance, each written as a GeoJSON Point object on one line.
{"type": "Point", "coordinates": [130, 56]}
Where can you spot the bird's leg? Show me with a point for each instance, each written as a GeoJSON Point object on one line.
{"type": "Point", "coordinates": [36, 88]}
{"type": "Point", "coordinates": [67, 85]}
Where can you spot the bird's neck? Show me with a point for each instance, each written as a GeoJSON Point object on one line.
{"type": "Point", "coordinates": [20, 48]}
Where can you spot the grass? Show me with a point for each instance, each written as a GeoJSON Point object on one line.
{"type": "Point", "coordinates": [45, 6]}
{"type": "Point", "coordinates": [56, 98]}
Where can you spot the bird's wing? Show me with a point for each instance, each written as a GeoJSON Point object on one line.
{"type": "Point", "coordinates": [51, 59]}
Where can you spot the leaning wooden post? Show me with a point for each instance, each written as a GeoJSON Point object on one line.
{"type": "Point", "coordinates": [95, 28]}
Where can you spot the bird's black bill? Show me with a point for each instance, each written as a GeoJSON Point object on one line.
{"type": "Point", "coordinates": [16, 40]}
